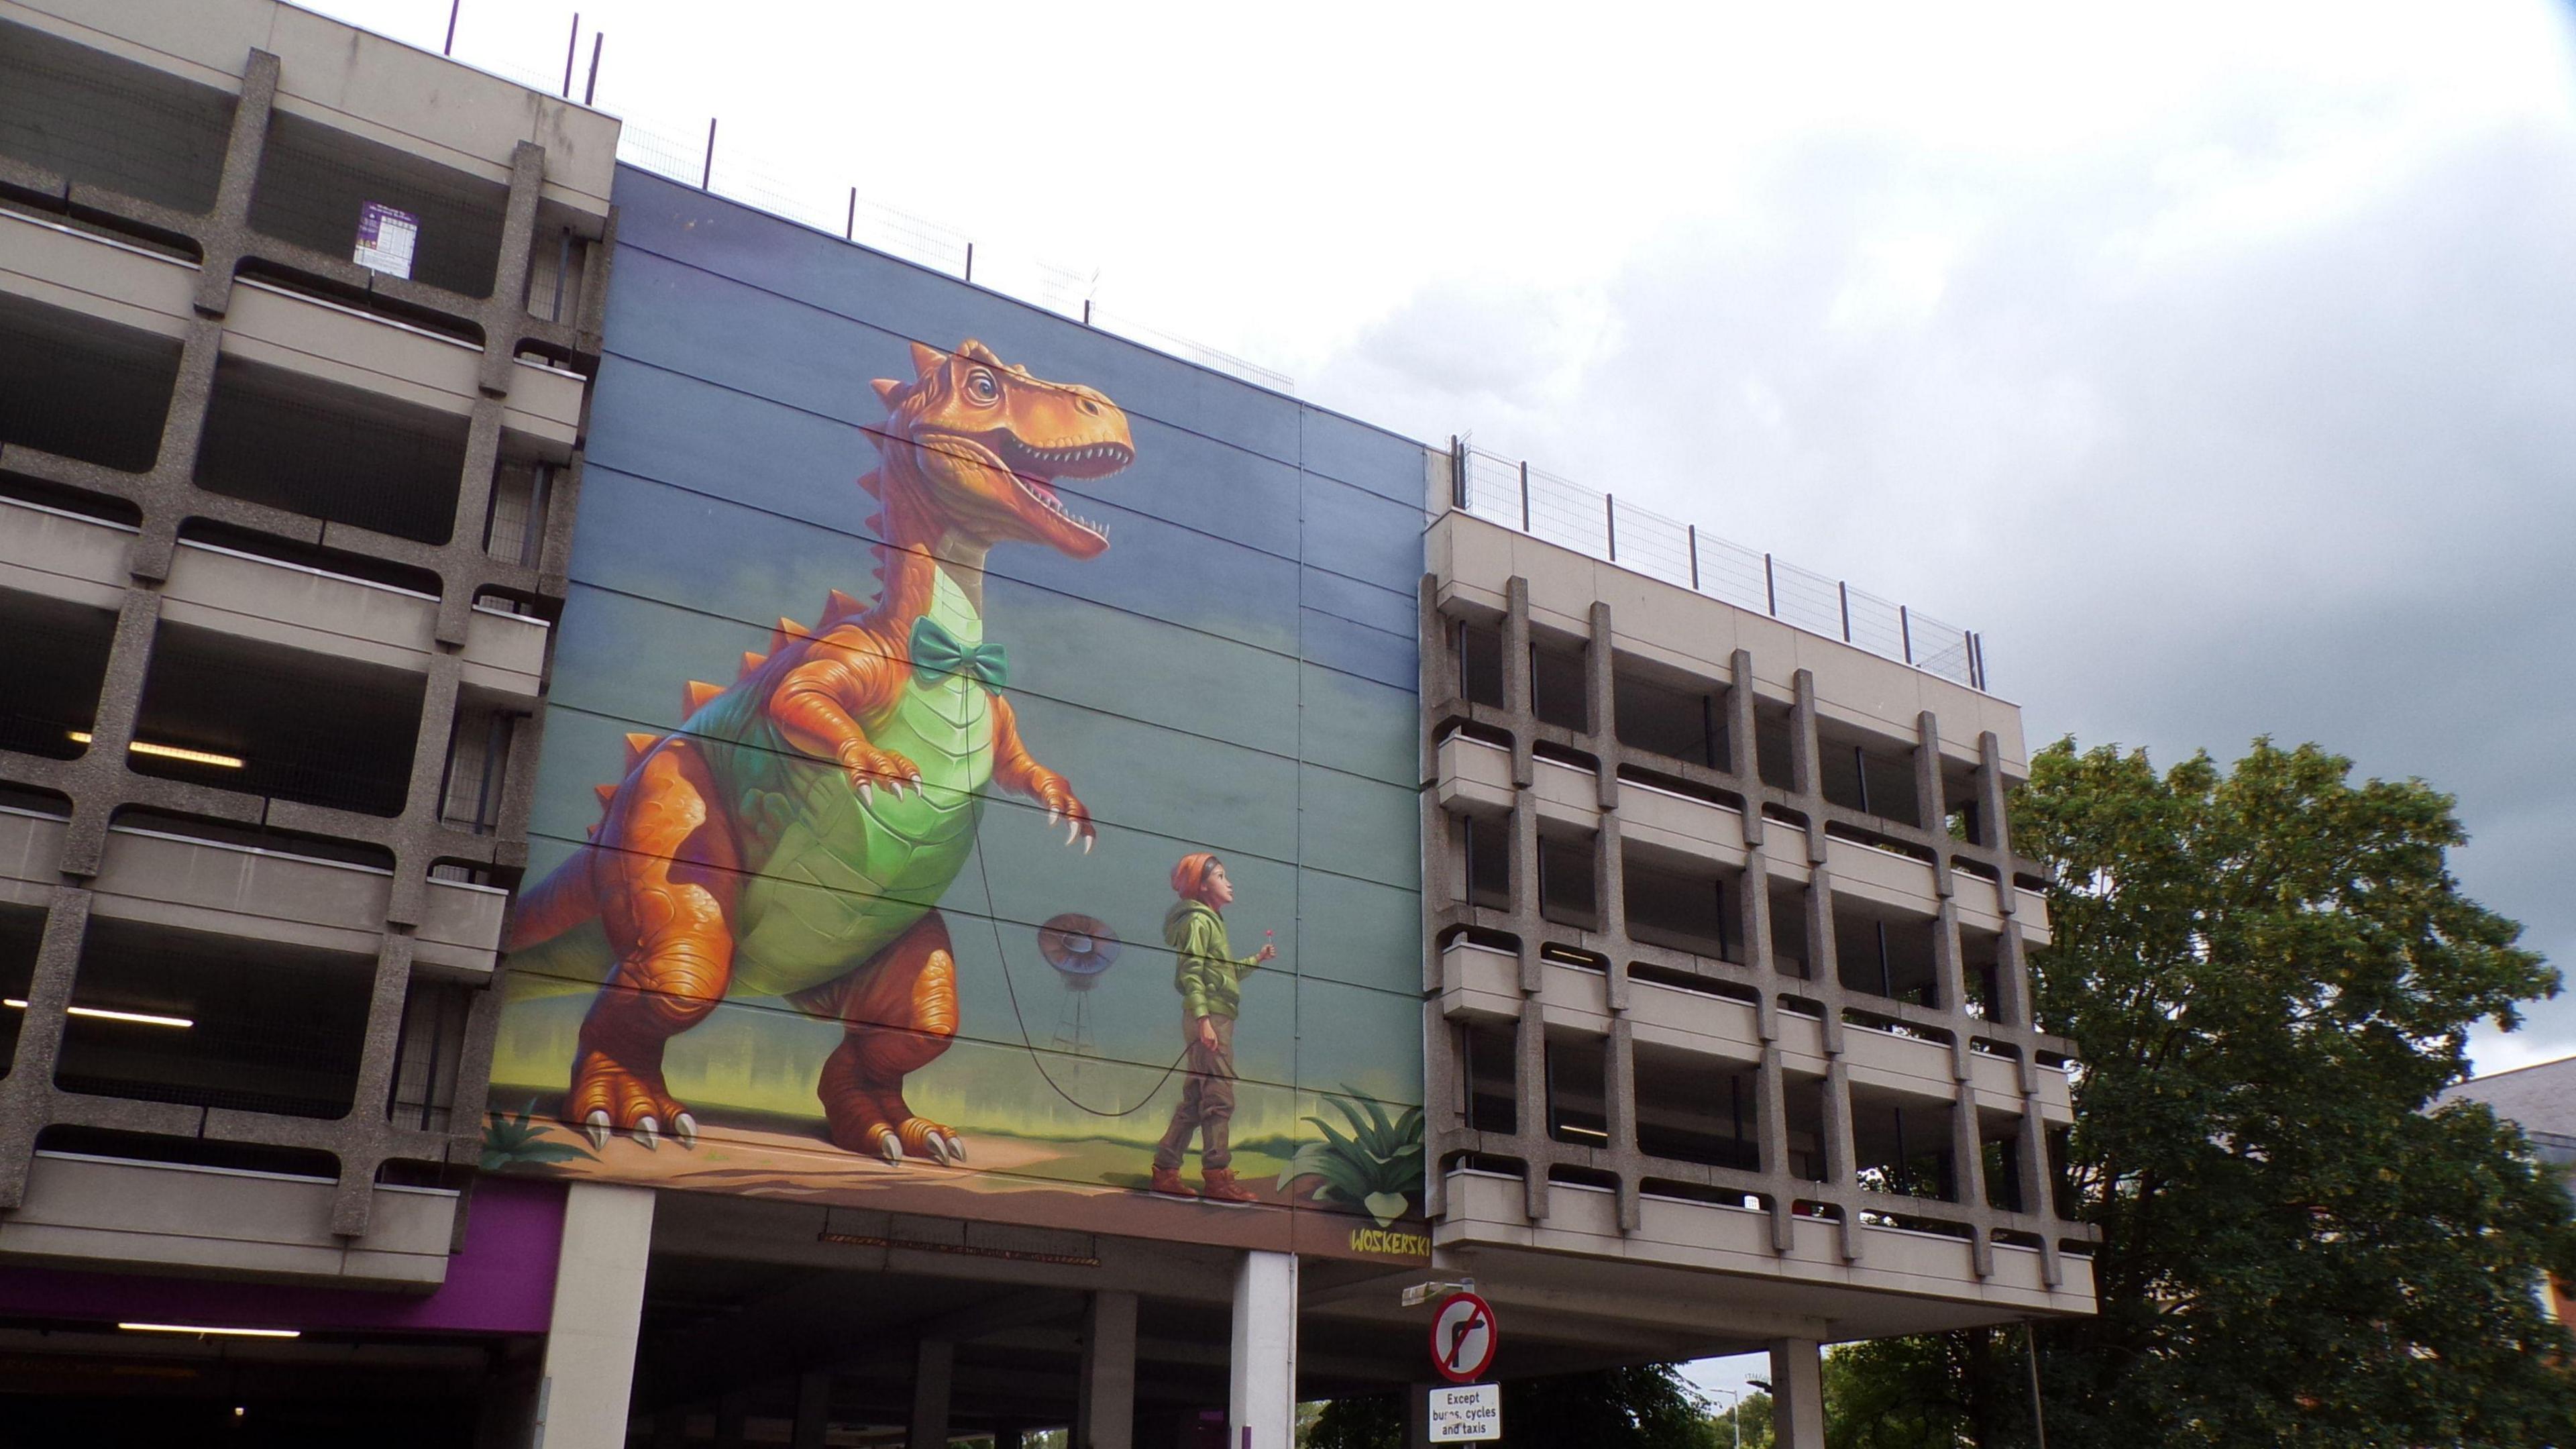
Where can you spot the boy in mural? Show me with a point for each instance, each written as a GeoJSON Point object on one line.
{"type": "Point", "coordinates": [1210, 979]}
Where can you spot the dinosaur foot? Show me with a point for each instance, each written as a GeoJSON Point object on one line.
{"type": "Point", "coordinates": [607, 1098]}
{"type": "Point", "coordinates": [913, 1137]}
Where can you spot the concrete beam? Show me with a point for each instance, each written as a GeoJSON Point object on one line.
{"type": "Point", "coordinates": [599, 1309]}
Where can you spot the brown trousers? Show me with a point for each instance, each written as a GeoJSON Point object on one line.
{"type": "Point", "coordinates": [1207, 1100]}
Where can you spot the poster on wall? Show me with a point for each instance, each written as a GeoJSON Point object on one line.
{"type": "Point", "coordinates": [1045, 857]}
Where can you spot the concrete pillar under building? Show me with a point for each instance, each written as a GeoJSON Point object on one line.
{"type": "Point", "coordinates": [934, 1374]}
{"type": "Point", "coordinates": [1261, 1389]}
{"type": "Point", "coordinates": [813, 1409]}
{"type": "Point", "coordinates": [1798, 1393]}
{"type": "Point", "coordinates": [598, 1310]}
{"type": "Point", "coordinates": [1105, 1416]}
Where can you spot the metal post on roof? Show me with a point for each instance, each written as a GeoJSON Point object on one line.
{"type": "Point", "coordinates": [707, 178]}
{"type": "Point", "coordinates": [970, 261]}
{"type": "Point", "coordinates": [452, 7]}
{"type": "Point", "coordinates": [1610, 521]}
{"type": "Point", "coordinates": [1843, 587]}
{"type": "Point", "coordinates": [850, 228]}
{"type": "Point", "coordinates": [572, 50]}
{"type": "Point", "coordinates": [590, 88]}
{"type": "Point", "coordinates": [1525, 514]}
{"type": "Point", "coordinates": [1770, 589]}
{"type": "Point", "coordinates": [1905, 631]}
{"type": "Point", "coordinates": [1457, 472]}
{"type": "Point", "coordinates": [1693, 530]}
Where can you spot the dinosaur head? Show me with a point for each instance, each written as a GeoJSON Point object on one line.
{"type": "Point", "coordinates": [987, 442]}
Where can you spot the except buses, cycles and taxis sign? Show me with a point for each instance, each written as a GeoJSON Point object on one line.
{"type": "Point", "coordinates": [1466, 1414]}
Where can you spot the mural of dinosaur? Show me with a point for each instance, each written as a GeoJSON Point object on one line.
{"type": "Point", "coordinates": [794, 835]}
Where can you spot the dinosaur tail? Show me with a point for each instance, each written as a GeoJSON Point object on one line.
{"type": "Point", "coordinates": [556, 943]}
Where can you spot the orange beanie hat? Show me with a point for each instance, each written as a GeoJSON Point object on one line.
{"type": "Point", "coordinates": [1190, 875]}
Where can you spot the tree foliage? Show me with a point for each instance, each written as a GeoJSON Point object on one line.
{"type": "Point", "coordinates": [2268, 973]}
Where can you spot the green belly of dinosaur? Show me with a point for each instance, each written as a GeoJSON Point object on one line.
{"type": "Point", "coordinates": [835, 877]}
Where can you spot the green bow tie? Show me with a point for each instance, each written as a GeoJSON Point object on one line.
{"type": "Point", "coordinates": [940, 652]}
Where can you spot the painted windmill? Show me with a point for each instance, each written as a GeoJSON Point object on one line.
{"type": "Point", "coordinates": [1081, 949]}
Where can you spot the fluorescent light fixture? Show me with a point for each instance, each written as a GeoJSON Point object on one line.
{"type": "Point", "coordinates": [170, 752]}
{"type": "Point", "coordinates": [101, 1013]}
{"type": "Point", "coordinates": [205, 1330]}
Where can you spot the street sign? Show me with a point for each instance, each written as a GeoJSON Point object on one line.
{"type": "Point", "coordinates": [1466, 1415]}
{"type": "Point", "coordinates": [1463, 1338]}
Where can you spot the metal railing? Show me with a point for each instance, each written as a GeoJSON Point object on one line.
{"type": "Point", "coordinates": [1545, 506]}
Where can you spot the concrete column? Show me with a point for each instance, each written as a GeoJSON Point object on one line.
{"type": "Point", "coordinates": [1105, 1416]}
{"type": "Point", "coordinates": [813, 1408]}
{"type": "Point", "coordinates": [599, 1306]}
{"type": "Point", "coordinates": [934, 1374]}
{"type": "Point", "coordinates": [1261, 1389]}
{"type": "Point", "coordinates": [1797, 1393]}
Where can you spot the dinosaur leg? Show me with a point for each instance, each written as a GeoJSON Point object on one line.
{"type": "Point", "coordinates": [665, 882]}
{"type": "Point", "coordinates": [899, 1011]}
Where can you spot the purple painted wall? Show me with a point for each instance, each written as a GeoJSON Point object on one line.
{"type": "Point", "coordinates": [502, 1282]}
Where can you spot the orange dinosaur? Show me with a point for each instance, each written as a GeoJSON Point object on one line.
{"type": "Point", "coordinates": [793, 835]}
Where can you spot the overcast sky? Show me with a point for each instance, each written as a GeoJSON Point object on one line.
{"type": "Point", "coordinates": [2217, 362]}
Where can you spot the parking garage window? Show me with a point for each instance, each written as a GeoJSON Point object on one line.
{"type": "Point", "coordinates": [1696, 1108]}
{"type": "Point", "coordinates": [1492, 1061]}
{"type": "Point", "coordinates": [1487, 844]}
{"type": "Point", "coordinates": [1882, 954]}
{"type": "Point", "coordinates": [1902, 1146]}
{"type": "Point", "coordinates": [1676, 904]}
{"type": "Point", "coordinates": [1666, 713]}
{"type": "Point", "coordinates": [1577, 1101]}
{"type": "Point", "coordinates": [336, 453]}
{"type": "Point", "coordinates": [244, 714]}
{"type": "Point", "coordinates": [1559, 695]}
{"type": "Point", "coordinates": [1480, 662]}
{"type": "Point", "coordinates": [1568, 894]}
{"type": "Point", "coordinates": [1867, 776]}
{"type": "Point", "coordinates": [316, 183]}
{"type": "Point", "coordinates": [96, 120]}
{"type": "Point", "coordinates": [215, 1021]}
{"type": "Point", "coordinates": [73, 385]}
{"type": "Point", "coordinates": [54, 654]}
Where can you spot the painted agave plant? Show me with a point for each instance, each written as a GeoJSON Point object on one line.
{"type": "Point", "coordinates": [510, 1141]}
{"type": "Point", "coordinates": [1371, 1162]}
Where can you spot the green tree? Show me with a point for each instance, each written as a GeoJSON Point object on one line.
{"type": "Point", "coordinates": [2268, 972]}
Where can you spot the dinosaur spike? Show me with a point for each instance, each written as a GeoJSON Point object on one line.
{"type": "Point", "coordinates": [751, 661]}
{"type": "Point", "coordinates": [891, 392]}
{"type": "Point", "coordinates": [874, 523]}
{"type": "Point", "coordinates": [927, 359]}
{"type": "Point", "coordinates": [695, 694]}
{"type": "Point", "coordinates": [605, 793]}
{"type": "Point", "coordinates": [787, 629]}
{"type": "Point", "coordinates": [638, 746]}
{"type": "Point", "coordinates": [838, 606]}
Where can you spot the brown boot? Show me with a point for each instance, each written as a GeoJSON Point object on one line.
{"type": "Point", "coordinates": [1217, 1185]}
{"type": "Point", "coordinates": [1167, 1183]}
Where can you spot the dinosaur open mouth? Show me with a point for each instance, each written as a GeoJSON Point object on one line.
{"type": "Point", "coordinates": [1088, 460]}
{"type": "Point", "coordinates": [1047, 499]}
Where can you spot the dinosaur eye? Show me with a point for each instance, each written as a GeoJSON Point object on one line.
{"type": "Point", "coordinates": [981, 387]}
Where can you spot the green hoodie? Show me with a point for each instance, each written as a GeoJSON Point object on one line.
{"type": "Point", "coordinates": [1206, 970]}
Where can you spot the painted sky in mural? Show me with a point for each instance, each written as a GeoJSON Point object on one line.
{"type": "Point", "coordinates": [980, 749]}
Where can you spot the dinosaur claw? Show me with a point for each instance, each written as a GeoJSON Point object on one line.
{"type": "Point", "coordinates": [892, 1148]}
{"type": "Point", "coordinates": [1072, 831]}
{"type": "Point", "coordinates": [938, 1146]}
{"type": "Point", "coordinates": [957, 1149]}
{"type": "Point", "coordinates": [865, 798]}
{"type": "Point", "coordinates": [595, 1127]}
{"type": "Point", "coordinates": [1086, 843]}
{"type": "Point", "coordinates": [647, 1131]}
{"type": "Point", "coordinates": [1055, 813]}
{"type": "Point", "coordinates": [684, 1130]}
